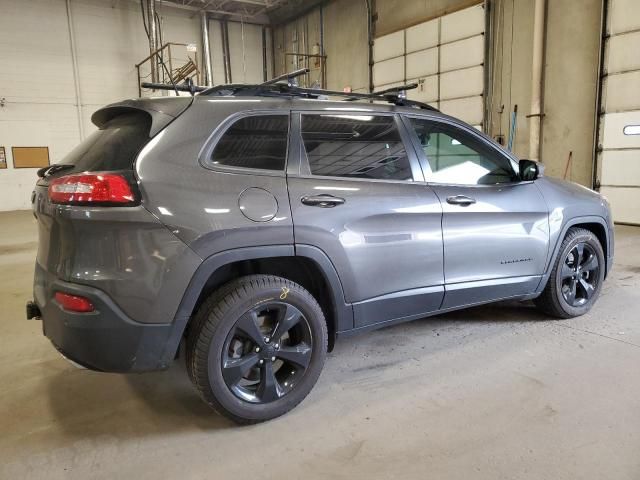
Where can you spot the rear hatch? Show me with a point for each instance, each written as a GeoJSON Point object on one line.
{"type": "Point", "coordinates": [123, 130]}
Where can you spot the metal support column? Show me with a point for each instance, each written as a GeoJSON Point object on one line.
{"type": "Point", "coordinates": [206, 50]}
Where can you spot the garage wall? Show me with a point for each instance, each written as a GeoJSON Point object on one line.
{"type": "Point", "coordinates": [444, 56]}
{"type": "Point", "coordinates": [36, 78]}
{"type": "Point", "coordinates": [570, 73]}
{"type": "Point", "coordinates": [300, 36]}
{"type": "Point", "coordinates": [346, 45]}
{"type": "Point", "coordinates": [344, 42]}
{"type": "Point", "coordinates": [394, 15]}
{"type": "Point", "coordinates": [245, 49]}
{"type": "Point", "coordinates": [619, 136]}
{"type": "Point", "coordinates": [570, 80]}
{"type": "Point", "coordinates": [246, 53]}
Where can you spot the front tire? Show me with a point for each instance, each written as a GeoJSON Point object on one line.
{"type": "Point", "coordinates": [576, 279]}
{"type": "Point", "coordinates": [257, 348]}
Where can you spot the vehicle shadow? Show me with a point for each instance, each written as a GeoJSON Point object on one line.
{"type": "Point", "coordinates": [513, 311]}
{"type": "Point", "coordinates": [91, 404]}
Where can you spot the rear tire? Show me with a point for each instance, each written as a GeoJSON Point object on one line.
{"type": "Point", "coordinates": [256, 348]}
{"type": "Point", "coordinates": [576, 279]}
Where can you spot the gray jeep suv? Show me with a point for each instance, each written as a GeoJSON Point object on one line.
{"type": "Point", "coordinates": [256, 224]}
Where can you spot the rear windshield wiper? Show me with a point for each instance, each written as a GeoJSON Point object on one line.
{"type": "Point", "coordinates": [58, 167]}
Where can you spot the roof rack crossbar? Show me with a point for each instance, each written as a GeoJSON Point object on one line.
{"type": "Point", "coordinates": [391, 97]}
{"type": "Point", "coordinates": [287, 76]}
{"type": "Point", "coordinates": [397, 89]}
{"type": "Point", "coordinates": [179, 86]}
{"type": "Point", "coordinates": [188, 86]}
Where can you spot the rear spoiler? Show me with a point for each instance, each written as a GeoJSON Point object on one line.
{"type": "Point", "coordinates": [161, 110]}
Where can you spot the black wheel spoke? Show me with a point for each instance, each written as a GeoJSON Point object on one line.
{"type": "Point", "coordinates": [299, 354]}
{"type": "Point", "coordinates": [567, 271]}
{"type": "Point", "coordinates": [570, 296]}
{"type": "Point", "coordinates": [288, 317]}
{"type": "Point", "coordinates": [248, 323]}
{"type": "Point", "coordinates": [266, 352]}
{"type": "Point", "coordinates": [590, 263]}
{"type": "Point", "coordinates": [587, 288]}
{"type": "Point", "coordinates": [580, 250]}
{"type": "Point", "coordinates": [235, 369]}
{"type": "Point", "coordinates": [580, 272]}
{"type": "Point", "coordinates": [269, 389]}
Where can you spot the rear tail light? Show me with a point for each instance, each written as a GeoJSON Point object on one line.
{"type": "Point", "coordinates": [91, 188]}
{"type": "Point", "coordinates": [74, 303]}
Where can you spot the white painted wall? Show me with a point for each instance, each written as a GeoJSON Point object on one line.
{"type": "Point", "coordinates": [247, 66]}
{"type": "Point", "coordinates": [36, 75]}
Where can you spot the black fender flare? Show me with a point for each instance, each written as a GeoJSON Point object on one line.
{"type": "Point", "coordinates": [563, 233]}
{"type": "Point", "coordinates": [343, 313]}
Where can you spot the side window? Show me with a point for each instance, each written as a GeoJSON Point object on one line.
{"type": "Point", "coordinates": [458, 158]}
{"type": "Point", "coordinates": [256, 141]}
{"type": "Point", "coordinates": [355, 146]}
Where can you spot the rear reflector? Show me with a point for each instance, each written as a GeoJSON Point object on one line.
{"type": "Point", "coordinates": [90, 188]}
{"type": "Point", "coordinates": [74, 303]}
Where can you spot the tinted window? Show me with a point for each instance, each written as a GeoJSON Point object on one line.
{"type": "Point", "coordinates": [258, 141]}
{"type": "Point", "coordinates": [114, 146]}
{"type": "Point", "coordinates": [355, 146]}
{"type": "Point", "coordinates": [457, 157]}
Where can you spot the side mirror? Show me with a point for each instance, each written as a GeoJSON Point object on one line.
{"type": "Point", "coordinates": [530, 170]}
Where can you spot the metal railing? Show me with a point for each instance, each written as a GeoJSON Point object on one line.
{"type": "Point", "coordinates": [171, 68]}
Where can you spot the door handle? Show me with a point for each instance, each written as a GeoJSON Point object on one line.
{"type": "Point", "coordinates": [461, 200]}
{"type": "Point", "coordinates": [322, 201]}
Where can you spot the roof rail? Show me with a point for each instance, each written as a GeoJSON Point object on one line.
{"type": "Point", "coordinates": [394, 95]}
{"type": "Point", "coordinates": [276, 88]}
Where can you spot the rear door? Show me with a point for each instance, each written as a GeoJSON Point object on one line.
{"type": "Point", "coordinates": [495, 228]}
{"type": "Point", "coordinates": [358, 195]}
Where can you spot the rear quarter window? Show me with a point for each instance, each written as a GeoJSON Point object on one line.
{"type": "Point", "coordinates": [255, 141]}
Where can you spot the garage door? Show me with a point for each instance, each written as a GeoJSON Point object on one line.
{"type": "Point", "coordinates": [619, 135]}
{"type": "Point", "coordinates": [445, 56]}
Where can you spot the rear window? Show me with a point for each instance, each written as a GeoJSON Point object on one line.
{"type": "Point", "coordinates": [114, 146]}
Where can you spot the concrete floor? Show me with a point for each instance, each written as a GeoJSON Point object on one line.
{"type": "Point", "coordinates": [489, 393]}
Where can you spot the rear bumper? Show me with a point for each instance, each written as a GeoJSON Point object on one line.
{"type": "Point", "coordinates": [105, 339]}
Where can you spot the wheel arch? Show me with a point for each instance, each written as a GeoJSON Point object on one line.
{"type": "Point", "coordinates": [595, 224]}
{"type": "Point", "coordinates": [306, 265]}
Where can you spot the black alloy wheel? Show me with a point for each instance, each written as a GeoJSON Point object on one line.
{"type": "Point", "coordinates": [575, 281]}
{"type": "Point", "coordinates": [256, 347]}
{"type": "Point", "coordinates": [267, 352]}
{"type": "Point", "coordinates": [580, 274]}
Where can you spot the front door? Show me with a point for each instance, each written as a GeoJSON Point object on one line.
{"type": "Point", "coordinates": [495, 228]}
{"type": "Point", "coordinates": [358, 195]}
